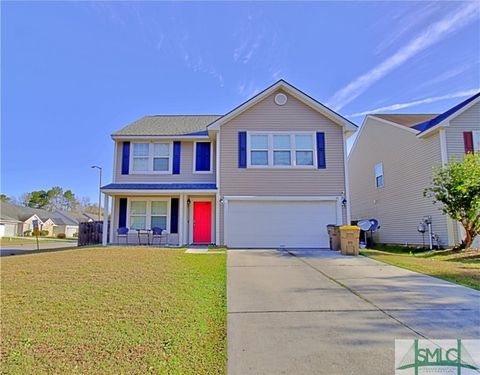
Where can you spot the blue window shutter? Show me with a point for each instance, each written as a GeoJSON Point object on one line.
{"type": "Point", "coordinates": [202, 157]}
{"type": "Point", "coordinates": [122, 213]}
{"type": "Point", "coordinates": [321, 158]}
{"type": "Point", "coordinates": [125, 157]}
{"type": "Point", "coordinates": [176, 157]}
{"type": "Point", "coordinates": [174, 215]}
{"type": "Point", "coordinates": [242, 149]}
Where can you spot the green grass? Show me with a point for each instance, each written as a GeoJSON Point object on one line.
{"type": "Point", "coordinates": [459, 267]}
{"type": "Point", "coordinates": [18, 241]}
{"type": "Point", "coordinates": [114, 311]}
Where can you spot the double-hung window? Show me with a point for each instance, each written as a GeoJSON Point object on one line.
{"type": "Point", "coordinates": [281, 149]}
{"type": "Point", "coordinates": [161, 157]}
{"type": "Point", "coordinates": [140, 157]}
{"type": "Point", "coordinates": [304, 149]}
{"type": "Point", "coordinates": [138, 215]}
{"type": "Point", "coordinates": [379, 175]}
{"type": "Point", "coordinates": [476, 141]}
{"type": "Point", "coordinates": [259, 150]}
{"type": "Point", "coordinates": [151, 157]}
{"type": "Point", "coordinates": [147, 214]}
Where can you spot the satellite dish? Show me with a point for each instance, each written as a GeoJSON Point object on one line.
{"type": "Point", "coordinates": [364, 225]}
{"type": "Point", "coordinates": [375, 224]}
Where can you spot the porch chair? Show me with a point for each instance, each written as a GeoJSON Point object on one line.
{"type": "Point", "coordinates": [159, 233]}
{"type": "Point", "coordinates": [122, 232]}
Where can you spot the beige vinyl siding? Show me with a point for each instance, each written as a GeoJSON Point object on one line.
{"type": "Point", "coordinates": [465, 122]}
{"type": "Point", "coordinates": [293, 116]}
{"type": "Point", "coordinates": [186, 169]}
{"type": "Point", "coordinates": [407, 167]}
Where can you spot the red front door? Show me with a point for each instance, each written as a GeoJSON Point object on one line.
{"type": "Point", "coordinates": [202, 222]}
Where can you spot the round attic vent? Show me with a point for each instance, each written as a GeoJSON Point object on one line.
{"type": "Point", "coordinates": [280, 99]}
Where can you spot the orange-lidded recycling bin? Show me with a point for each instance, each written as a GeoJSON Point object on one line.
{"type": "Point", "coordinates": [349, 239]}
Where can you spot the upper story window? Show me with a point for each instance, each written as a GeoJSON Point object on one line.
{"type": "Point", "coordinates": [476, 141]}
{"type": "Point", "coordinates": [152, 157]}
{"type": "Point", "coordinates": [281, 149]}
{"type": "Point", "coordinates": [379, 175]}
{"type": "Point", "coordinates": [202, 157]}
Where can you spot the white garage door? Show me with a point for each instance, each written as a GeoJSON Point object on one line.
{"type": "Point", "coordinates": [274, 224]}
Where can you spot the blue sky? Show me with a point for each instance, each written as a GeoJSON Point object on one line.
{"type": "Point", "coordinates": [72, 73]}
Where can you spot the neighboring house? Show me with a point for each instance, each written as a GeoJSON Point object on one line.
{"type": "Point", "coordinates": [391, 164]}
{"type": "Point", "coordinates": [16, 220]}
{"type": "Point", "coordinates": [270, 173]}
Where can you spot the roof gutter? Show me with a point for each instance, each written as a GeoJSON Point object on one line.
{"type": "Point", "coordinates": [149, 137]}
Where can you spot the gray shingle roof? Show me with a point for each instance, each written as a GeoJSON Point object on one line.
{"type": "Point", "coordinates": [169, 125]}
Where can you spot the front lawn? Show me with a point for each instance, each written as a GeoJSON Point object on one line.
{"type": "Point", "coordinates": [114, 311]}
{"type": "Point", "coordinates": [459, 267]}
{"type": "Point", "coordinates": [30, 241]}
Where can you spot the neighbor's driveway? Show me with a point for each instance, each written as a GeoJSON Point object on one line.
{"type": "Point", "coordinates": [31, 248]}
{"type": "Point", "coordinates": [305, 312]}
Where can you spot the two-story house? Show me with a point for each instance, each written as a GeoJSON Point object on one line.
{"type": "Point", "coordinates": [269, 173]}
{"type": "Point", "coordinates": [391, 163]}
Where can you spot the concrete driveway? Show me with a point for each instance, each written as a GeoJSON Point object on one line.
{"type": "Point", "coordinates": [316, 312]}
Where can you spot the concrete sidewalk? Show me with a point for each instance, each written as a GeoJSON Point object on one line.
{"type": "Point", "coordinates": [304, 312]}
{"type": "Point", "coordinates": [31, 248]}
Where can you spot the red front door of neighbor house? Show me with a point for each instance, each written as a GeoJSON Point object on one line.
{"type": "Point", "coordinates": [202, 222]}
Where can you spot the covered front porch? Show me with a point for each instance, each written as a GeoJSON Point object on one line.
{"type": "Point", "coordinates": [160, 217]}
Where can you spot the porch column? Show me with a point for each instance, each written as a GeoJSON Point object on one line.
{"type": "Point", "coordinates": [112, 220]}
{"type": "Point", "coordinates": [217, 219]}
{"type": "Point", "coordinates": [180, 220]}
{"type": "Point", "coordinates": [105, 220]}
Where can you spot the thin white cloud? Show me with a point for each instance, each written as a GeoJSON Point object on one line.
{"type": "Point", "coordinates": [407, 21]}
{"type": "Point", "coordinates": [448, 74]}
{"type": "Point", "coordinates": [396, 107]}
{"type": "Point", "coordinates": [433, 34]}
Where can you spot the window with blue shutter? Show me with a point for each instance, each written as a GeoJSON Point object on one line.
{"type": "Point", "coordinates": [125, 157]}
{"type": "Point", "coordinates": [321, 157]}
{"type": "Point", "coordinates": [122, 213]}
{"type": "Point", "coordinates": [203, 157]}
{"type": "Point", "coordinates": [242, 149]}
{"type": "Point", "coordinates": [176, 157]}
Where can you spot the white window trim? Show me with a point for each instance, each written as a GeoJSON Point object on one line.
{"type": "Point", "coordinates": [383, 176]}
{"type": "Point", "coordinates": [148, 220]}
{"type": "Point", "coordinates": [293, 150]}
{"type": "Point", "coordinates": [151, 157]}
{"type": "Point", "coordinates": [195, 158]}
{"type": "Point", "coordinates": [476, 141]}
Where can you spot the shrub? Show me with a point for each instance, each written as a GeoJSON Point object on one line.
{"type": "Point", "coordinates": [27, 232]}
{"type": "Point", "coordinates": [44, 233]}
{"type": "Point", "coordinates": [61, 235]}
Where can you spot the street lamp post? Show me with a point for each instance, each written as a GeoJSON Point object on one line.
{"type": "Point", "coordinates": [99, 193]}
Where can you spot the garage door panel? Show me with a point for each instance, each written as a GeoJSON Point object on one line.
{"type": "Point", "coordinates": [279, 223]}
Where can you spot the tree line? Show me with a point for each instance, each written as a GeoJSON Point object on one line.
{"type": "Point", "coordinates": [55, 198]}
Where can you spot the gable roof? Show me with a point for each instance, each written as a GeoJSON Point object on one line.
{"type": "Point", "coordinates": [405, 119]}
{"type": "Point", "coordinates": [290, 89]}
{"type": "Point", "coordinates": [426, 125]}
{"type": "Point", "coordinates": [10, 211]}
{"type": "Point", "coordinates": [168, 125]}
